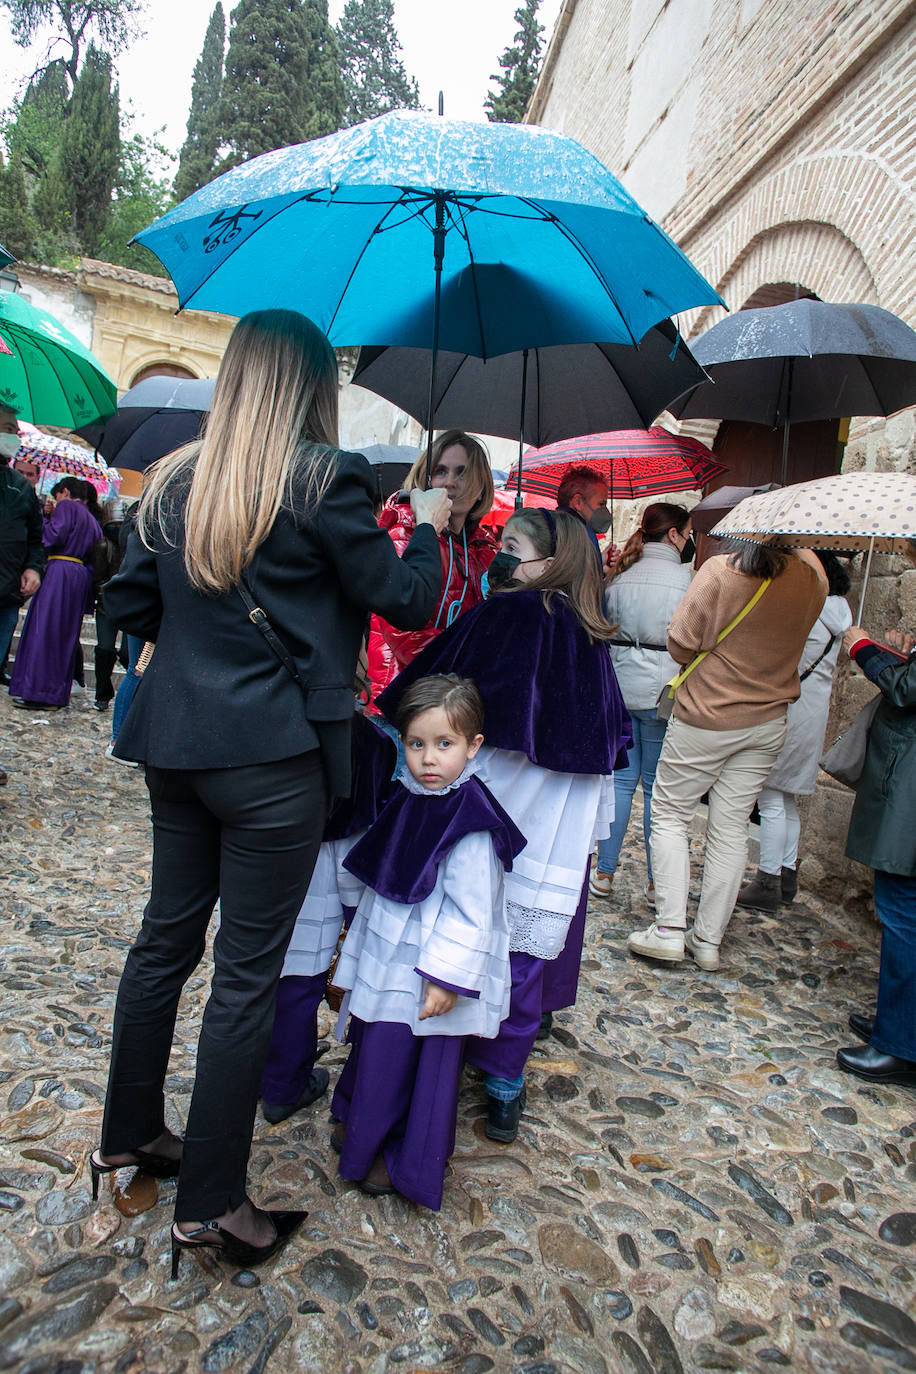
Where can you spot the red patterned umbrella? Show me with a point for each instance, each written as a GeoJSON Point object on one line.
{"type": "Point", "coordinates": [636, 463]}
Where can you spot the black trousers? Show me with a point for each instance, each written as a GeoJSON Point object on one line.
{"type": "Point", "coordinates": [249, 836]}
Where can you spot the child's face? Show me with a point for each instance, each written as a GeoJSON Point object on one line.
{"type": "Point", "coordinates": [516, 542]}
{"type": "Point", "coordinates": [435, 751]}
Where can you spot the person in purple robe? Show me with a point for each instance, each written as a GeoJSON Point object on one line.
{"type": "Point", "coordinates": [425, 963]}
{"type": "Point", "coordinates": [42, 673]}
{"type": "Point", "coordinates": [556, 730]}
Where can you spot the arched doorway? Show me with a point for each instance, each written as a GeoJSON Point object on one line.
{"type": "Point", "coordinates": [162, 370]}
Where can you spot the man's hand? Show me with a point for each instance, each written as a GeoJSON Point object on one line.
{"type": "Point", "coordinates": [29, 582]}
{"type": "Point", "coordinates": [900, 640]}
{"type": "Point", "coordinates": [852, 636]}
{"type": "Point", "coordinates": [438, 1001]}
{"type": "Point", "coordinates": [612, 554]}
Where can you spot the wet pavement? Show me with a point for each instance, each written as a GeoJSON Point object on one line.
{"type": "Point", "coordinates": [694, 1186]}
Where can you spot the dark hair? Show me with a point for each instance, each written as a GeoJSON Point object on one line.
{"type": "Point", "coordinates": [838, 582]}
{"type": "Point", "coordinates": [656, 521]}
{"type": "Point", "coordinates": [563, 538]}
{"type": "Point", "coordinates": [577, 481]}
{"type": "Point", "coordinates": [757, 560]}
{"type": "Point", "coordinates": [457, 696]}
{"type": "Point", "coordinates": [80, 491]}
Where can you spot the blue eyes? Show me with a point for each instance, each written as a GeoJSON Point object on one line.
{"type": "Point", "coordinates": [420, 744]}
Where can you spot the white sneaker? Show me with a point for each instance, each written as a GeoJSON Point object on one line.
{"type": "Point", "coordinates": [705, 955]}
{"type": "Point", "coordinates": [125, 763]}
{"type": "Point", "coordinates": [653, 945]}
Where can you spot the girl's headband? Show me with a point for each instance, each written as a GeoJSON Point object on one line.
{"type": "Point", "coordinates": [552, 528]}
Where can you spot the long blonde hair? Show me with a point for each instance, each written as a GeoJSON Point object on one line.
{"type": "Point", "coordinates": [275, 392]}
{"type": "Point", "coordinates": [574, 568]}
{"type": "Point", "coordinates": [478, 472]}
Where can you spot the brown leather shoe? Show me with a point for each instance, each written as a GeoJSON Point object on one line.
{"type": "Point", "coordinates": [377, 1183]}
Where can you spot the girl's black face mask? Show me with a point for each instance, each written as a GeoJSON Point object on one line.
{"type": "Point", "coordinates": [501, 570]}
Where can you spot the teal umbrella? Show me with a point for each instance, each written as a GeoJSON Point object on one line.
{"type": "Point", "coordinates": [5, 257]}
{"type": "Point", "coordinates": [46, 375]}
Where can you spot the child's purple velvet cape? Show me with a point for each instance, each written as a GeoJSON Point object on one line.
{"type": "Point", "coordinates": [547, 692]}
{"type": "Point", "coordinates": [399, 855]}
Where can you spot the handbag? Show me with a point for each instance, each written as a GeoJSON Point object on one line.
{"type": "Point", "coordinates": [665, 703]}
{"type": "Point", "coordinates": [845, 758]}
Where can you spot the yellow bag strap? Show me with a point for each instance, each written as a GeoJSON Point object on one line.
{"type": "Point", "coordinates": [685, 672]}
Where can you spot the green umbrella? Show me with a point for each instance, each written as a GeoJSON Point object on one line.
{"type": "Point", "coordinates": [46, 375]}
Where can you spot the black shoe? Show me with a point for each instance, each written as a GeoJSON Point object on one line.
{"type": "Point", "coordinates": [876, 1067]}
{"type": "Point", "coordinates": [503, 1118]}
{"type": "Point", "coordinates": [236, 1251]}
{"type": "Point", "coordinates": [862, 1026]}
{"type": "Point", "coordinates": [545, 1027]}
{"type": "Point", "coordinates": [316, 1087]}
{"type": "Point", "coordinates": [158, 1166]}
{"type": "Point", "coordinates": [100, 706]}
{"type": "Point", "coordinates": [5, 679]}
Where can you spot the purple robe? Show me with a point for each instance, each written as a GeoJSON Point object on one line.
{"type": "Point", "coordinates": [44, 659]}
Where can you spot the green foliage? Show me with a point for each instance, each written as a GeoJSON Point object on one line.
{"type": "Point", "coordinates": [519, 65]}
{"type": "Point", "coordinates": [198, 155]}
{"type": "Point", "coordinates": [34, 127]}
{"type": "Point", "coordinates": [73, 22]}
{"type": "Point", "coordinates": [373, 74]}
{"type": "Point", "coordinates": [282, 82]}
{"type": "Point", "coordinates": [18, 231]}
{"type": "Point", "coordinates": [91, 150]}
{"type": "Point", "coordinates": [141, 194]}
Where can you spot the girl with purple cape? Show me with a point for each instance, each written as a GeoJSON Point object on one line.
{"type": "Point", "coordinates": [426, 959]}
{"type": "Point", "coordinates": [43, 669]}
{"type": "Point", "coordinates": [556, 730]}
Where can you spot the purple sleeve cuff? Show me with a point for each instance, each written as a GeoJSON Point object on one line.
{"type": "Point", "coordinates": [449, 987]}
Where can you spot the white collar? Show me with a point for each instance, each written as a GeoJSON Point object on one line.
{"type": "Point", "coordinates": [407, 779]}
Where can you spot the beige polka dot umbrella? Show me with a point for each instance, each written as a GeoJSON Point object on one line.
{"type": "Point", "coordinates": [854, 511]}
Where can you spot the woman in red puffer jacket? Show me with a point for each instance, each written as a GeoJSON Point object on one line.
{"type": "Point", "coordinates": [460, 465]}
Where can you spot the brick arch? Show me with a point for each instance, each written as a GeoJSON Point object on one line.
{"type": "Point", "coordinates": [818, 258]}
{"type": "Point", "coordinates": [158, 369]}
{"type": "Point", "coordinates": [859, 197]}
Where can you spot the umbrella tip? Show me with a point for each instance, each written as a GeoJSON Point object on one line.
{"type": "Point", "coordinates": [441, 104]}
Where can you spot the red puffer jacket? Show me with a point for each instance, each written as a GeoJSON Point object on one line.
{"type": "Point", "coordinates": [391, 649]}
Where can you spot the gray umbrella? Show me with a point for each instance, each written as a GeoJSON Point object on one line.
{"type": "Point", "coordinates": [154, 417]}
{"type": "Point", "coordinates": [551, 393]}
{"type": "Point", "coordinates": [805, 360]}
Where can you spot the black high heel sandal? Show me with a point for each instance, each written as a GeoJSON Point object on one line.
{"type": "Point", "coordinates": [157, 1166]}
{"type": "Point", "coordinates": [235, 1250]}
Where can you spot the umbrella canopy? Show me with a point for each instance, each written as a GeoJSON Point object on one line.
{"type": "Point", "coordinates": [805, 360]}
{"type": "Point", "coordinates": [713, 507]}
{"type": "Point", "coordinates": [5, 257]}
{"type": "Point", "coordinates": [153, 418]}
{"type": "Point", "coordinates": [48, 376]}
{"type": "Point", "coordinates": [352, 229]}
{"type": "Point", "coordinates": [635, 462]}
{"type": "Point", "coordinates": [539, 395]}
{"type": "Point", "coordinates": [852, 511]}
{"type": "Point", "coordinates": [390, 465]}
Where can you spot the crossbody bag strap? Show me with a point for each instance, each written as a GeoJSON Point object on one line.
{"type": "Point", "coordinates": [820, 658]}
{"type": "Point", "coordinates": [685, 672]}
{"type": "Point", "coordinates": [258, 617]}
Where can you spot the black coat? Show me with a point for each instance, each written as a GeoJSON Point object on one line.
{"type": "Point", "coordinates": [21, 526]}
{"type": "Point", "coordinates": [214, 694]}
{"type": "Point", "coordinates": [882, 831]}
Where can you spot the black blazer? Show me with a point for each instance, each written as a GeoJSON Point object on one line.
{"type": "Point", "coordinates": [214, 694]}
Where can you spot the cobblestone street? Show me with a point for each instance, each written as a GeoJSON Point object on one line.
{"type": "Point", "coordinates": [694, 1187]}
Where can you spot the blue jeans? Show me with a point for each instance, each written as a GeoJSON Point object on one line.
{"type": "Point", "coordinates": [642, 761]}
{"type": "Point", "coordinates": [125, 693]}
{"type": "Point", "coordinates": [9, 618]}
{"type": "Point", "coordinates": [895, 1018]}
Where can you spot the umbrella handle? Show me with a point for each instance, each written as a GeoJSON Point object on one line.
{"type": "Point", "coordinates": [871, 549]}
{"type": "Point", "coordinates": [519, 499]}
{"type": "Point", "coordinates": [438, 256]}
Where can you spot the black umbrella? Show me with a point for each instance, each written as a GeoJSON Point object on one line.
{"type": "Point", "coordinates": [546, 393]}
{"type": "Point", "coordinates": [154, 417]}
{"type": "Point", "coordinates": [718, 503]}
{"type": "Point", "coordinates": [390, 465]}
{"type": "Point", "coordinates": [805, 360]}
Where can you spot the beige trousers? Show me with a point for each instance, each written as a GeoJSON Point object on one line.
{"type": "Point", "coordinates": [732, 766]}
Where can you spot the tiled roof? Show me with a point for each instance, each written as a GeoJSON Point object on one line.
{"type": "Point", "coordinates": [94, 268]}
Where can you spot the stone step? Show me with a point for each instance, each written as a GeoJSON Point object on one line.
{"type": "Point", "coordinates": [87, 642]}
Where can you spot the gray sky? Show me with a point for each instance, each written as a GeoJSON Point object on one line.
{"type": "Point", "coordinates": [445, 46]}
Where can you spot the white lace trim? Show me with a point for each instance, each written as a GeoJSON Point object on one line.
{"type": "Point", "coordinates": [407, 779]}
{"type": "Point", "coordinates": [537, 932]}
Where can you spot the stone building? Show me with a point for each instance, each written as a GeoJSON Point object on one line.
{"type": "Point", "coordinates": [774, 141]}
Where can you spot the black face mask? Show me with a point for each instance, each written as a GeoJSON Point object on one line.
{"type": "Point", "coordinates": [501, 571]}
{"type": "Point", "coordinates": [688, 552]}
{"type": "Point", "coordinates": [600, 520]}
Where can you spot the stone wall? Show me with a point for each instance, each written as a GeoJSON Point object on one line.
{"type": "Point", "coordinates": [773, 139]}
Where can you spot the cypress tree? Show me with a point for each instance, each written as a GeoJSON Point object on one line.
{"type": "Point", "coordinates": [519, 68]}
{"type": "Point", "coordinates": [17, 226]}
{"type": "Point", "coordinates": [262, 104]}
{"type": "Point", "coordinates": [373, 74]}
{"type": "Point", "coordinates": [34, 135]}
{"type": "Point", "coordinates": [197, 162]}
{"type": "Point", "coordinates": [91, 150]}
{"type": "Point", "coordinates": [324, 89]}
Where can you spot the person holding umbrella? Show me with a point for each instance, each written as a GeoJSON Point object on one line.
{"type": "Point", "coordinates": [882, 835]}
{"type": "Point", "coordinates": [245, 736]}
{"type": "Point", "coordinates": [459, 467]}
